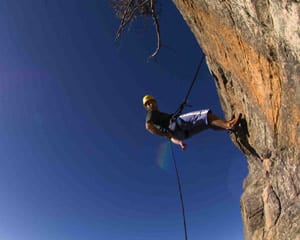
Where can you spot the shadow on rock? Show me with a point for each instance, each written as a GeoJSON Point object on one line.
{"type": "Point", "coordinates": [241, 134]}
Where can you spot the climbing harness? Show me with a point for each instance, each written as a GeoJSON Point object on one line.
{"type": "Point", "coordinates": [174, 117]}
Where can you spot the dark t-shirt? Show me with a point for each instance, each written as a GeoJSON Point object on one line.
{"type": "Point", "coordinates": [160, 119]}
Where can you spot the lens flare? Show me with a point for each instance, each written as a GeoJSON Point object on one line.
{"type": "Point", "coordinates": [164, 160]}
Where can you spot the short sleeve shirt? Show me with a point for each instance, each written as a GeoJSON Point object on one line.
{"type": "Point", "coordinates": [158, 118]}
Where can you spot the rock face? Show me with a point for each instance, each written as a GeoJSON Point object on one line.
{"type": "Point", "coordinates": [252, 48]}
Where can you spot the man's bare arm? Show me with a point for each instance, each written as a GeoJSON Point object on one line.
{"type": "Point", "coordinates": [152, 129]}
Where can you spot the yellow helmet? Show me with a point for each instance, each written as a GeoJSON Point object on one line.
{"type": "Point", "coordinates": [147, 98]}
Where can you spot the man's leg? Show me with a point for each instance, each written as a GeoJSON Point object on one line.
{"type": "Point", "coordinates": [218, 123]}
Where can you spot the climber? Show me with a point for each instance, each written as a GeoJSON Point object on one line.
{"type": "Point", "coordinates": [185, 125]}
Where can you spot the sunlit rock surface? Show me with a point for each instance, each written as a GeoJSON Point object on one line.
{"type": "Point", "coordinates": [252, 48]}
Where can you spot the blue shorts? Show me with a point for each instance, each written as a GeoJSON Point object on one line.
{"type": "Point", "coordinates": [189, 124]}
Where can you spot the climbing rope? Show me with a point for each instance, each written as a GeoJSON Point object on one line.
{"type": "Point", "coordinates": [184, 102]}
{"type": "Point", "coordinates": [175, 115]}
{"type": "Point", "coordinates": [180, 191]}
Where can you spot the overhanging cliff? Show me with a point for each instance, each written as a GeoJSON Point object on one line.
{"type": "Point", "coordinates": [252, 48]}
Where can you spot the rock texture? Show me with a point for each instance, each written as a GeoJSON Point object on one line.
{"type": "Point", "coordinates": [252, 48]}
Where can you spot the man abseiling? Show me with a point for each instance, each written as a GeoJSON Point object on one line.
{"type": "Point", "coordinates": [185, 125]}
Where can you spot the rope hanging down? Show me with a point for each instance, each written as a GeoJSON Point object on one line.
{"type": "Point", "coordinates": [175, 115]}
{"type": "Point", "coordinates": [180, 192]}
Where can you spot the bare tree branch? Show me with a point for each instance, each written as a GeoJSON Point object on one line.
{"type": "Point", "coordinates": [157, 28]}
{"type": "Point", "coordinates": [125, 19]}
{"type": "Point", "coordinates": [128, 10]}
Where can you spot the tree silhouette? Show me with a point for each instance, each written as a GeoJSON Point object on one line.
{"type": "Point", "coordinates": [129, 10]}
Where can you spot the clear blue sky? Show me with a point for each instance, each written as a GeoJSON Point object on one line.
{"type": "Point", "coordinates": [76, 161]}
